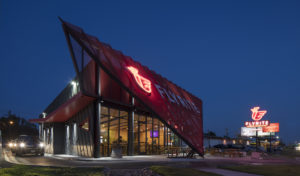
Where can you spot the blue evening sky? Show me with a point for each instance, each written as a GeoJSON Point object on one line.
{"type": "Point", "coordinates": [232, 54]}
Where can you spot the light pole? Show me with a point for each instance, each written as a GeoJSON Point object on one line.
{"type": "Point", "coordinates": [11, 123]}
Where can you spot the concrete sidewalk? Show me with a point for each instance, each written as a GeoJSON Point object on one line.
{"type": "Point", "coordinates": [136, 158]}
{"type": "Point", "coordinates": [225, 172]}
{"type": "Point", "coordinates": [159, 159]}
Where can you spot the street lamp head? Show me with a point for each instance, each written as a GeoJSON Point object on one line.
{"type": "Point", "coordinates": [74, 83]}
{"type": "Point", "coordinates": [11, 122]}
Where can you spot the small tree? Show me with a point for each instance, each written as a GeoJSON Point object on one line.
{"type": "Point", "coordinates": [13, 126]}
{"type": "Point", "coordinates": [210, 134]}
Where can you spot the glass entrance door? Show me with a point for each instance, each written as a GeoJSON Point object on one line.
{"type": "Point", "coordinates": [113, 130]}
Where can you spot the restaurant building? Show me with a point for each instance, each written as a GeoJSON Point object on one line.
{"type": "Point", "coordinates": [115, 101]}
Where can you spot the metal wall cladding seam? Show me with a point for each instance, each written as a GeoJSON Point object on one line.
{"type": "Point", "coordinates": [85, 135]}
{"type": "Point", "coordinates": [79, 141]}
{"type": "Point", "coordinates": [48, 140]}
{"type": "Point", "coordinates": [71, 146]}
{"type": "Point", "coordinates": [82, 116]}
{"type": "Point", "coordinates": [90, 135]}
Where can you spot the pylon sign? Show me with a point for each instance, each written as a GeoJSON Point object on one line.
{"type": "Point", "coordinates": [257, 115]}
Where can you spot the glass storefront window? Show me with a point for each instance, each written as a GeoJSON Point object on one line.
{"type": "Point", "coordinates": [151, 136]}
{"type": "Point", "coordinates": [142, 134]}
{"type": "Point", "coordinates": [136, 134]}
{"type": "Point", "coordinates": [104, 123]}
{"type": "Point", "coordinates": [161, 136]}
{"type": "Point", "coordinates": [155, 136]}
{"type": "Point", "coordinates": [123, 127]}
{"type": "Point", "coordinates": [104, 110]}
{"type": "Point", "coordinates": [113, 127]}
{"type": "Point", "coordinates": [114, 130]}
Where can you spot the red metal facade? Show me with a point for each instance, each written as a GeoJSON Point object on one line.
{"type": "Point", "coordinates": [173, 105]}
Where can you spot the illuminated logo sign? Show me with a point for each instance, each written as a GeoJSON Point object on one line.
{"type": "Point", "coordinates": [256, 114]}
{"type": "Point", "coordinates": [172, 97]}
{"type": "Point", "coordinates": [143, 83]}
{"type": "Point", "coordinates": [257, 123]}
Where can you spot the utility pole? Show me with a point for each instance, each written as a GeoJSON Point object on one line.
{"type": "Point", "coordinates": [270, 142]}
{"type": "Point", "coordinates": [256, 143]}
{"type": "Point", "coordinates": [226, 131]}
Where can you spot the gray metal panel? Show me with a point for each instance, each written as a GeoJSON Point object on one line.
{"type": "Point", "coordinates": [58, 138]}
{"type": "Point", "coordinates": [83, 146]}
{"type": "Point", "coordinates": [48, 139]}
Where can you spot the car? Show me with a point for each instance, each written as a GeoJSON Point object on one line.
{"type": "Point", "coordinates": [229, 146]}
{"type": "Point", "coordinates": [12, 145]}
{"type": "Point", "coordinates": [220, 146]}
{"type": "Point", "coordinates": [235, 146]}
{"type": "Point", "coordinates": [29, 145]}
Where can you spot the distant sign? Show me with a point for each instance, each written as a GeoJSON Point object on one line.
{"type": "Point", "coordinates": [248, 132]}
{"type": "Point", "coordinates": [256, 114]}
{"type": "Point", "coordinates": [273, 127]}
{"type": "Point", "coordinates": [257, 123]}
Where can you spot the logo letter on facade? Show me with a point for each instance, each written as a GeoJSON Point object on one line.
{"type": "Point", "coordinates": [144, 83]}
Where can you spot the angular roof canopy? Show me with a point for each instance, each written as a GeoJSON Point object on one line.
{"type": "Point", "coordinates": [66, 110]}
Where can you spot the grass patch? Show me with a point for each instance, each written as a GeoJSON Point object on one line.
{"type": "Point", "coordinates": [287, 152]}
{"type": "Point", "coordinates": [290, 153]}
{"type": "Point", "coordinates": [268, 170]}
{"type": "Point", "coordinates": [172, 171]}
{"type": "Point", "coordinates": [50, 171]}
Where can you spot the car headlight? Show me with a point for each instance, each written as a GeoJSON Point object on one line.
{"type": "Point", "coordinates": [10, 145]}
{"type": "Point", "coordinates": [22, 144]}
{"type": "Point", "coordinates": [41, 145]}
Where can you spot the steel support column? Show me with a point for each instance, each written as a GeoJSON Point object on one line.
{"type": "Point", "coordinates": [97, 116]}
{"type": "Point", "coordinates": [131, 130]}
